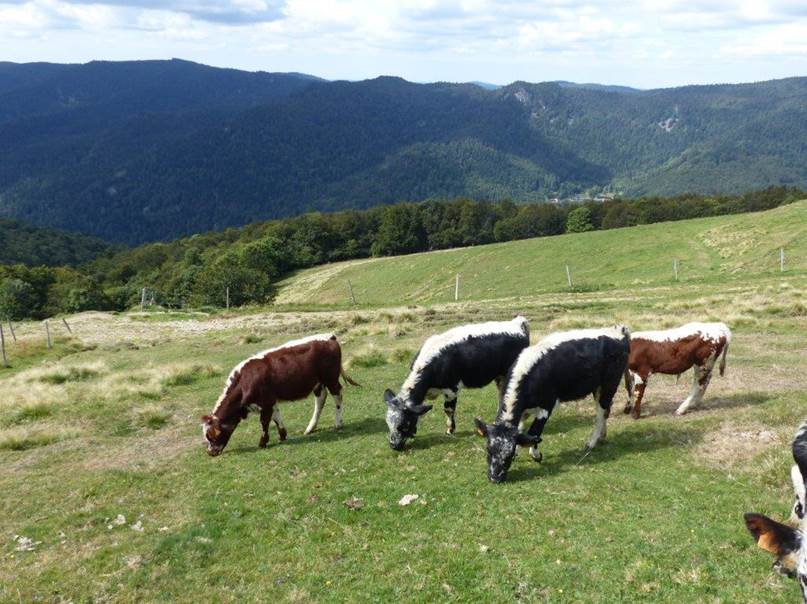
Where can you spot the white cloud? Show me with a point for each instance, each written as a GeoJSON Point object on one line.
{"type": "Point", "coordinates": [645, 42]}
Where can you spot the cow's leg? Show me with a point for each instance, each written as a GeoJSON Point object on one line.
{"type": "Point", "coordinates": [281, 429]}
{"type": "Point", "coordinates": [336, 392]}
{"type": "Point", "coordinates": [701, 375]}
{"type": "Point", "coordinates": [605, 398]}
{"type": "Point", "coordinates": [319, 402]}
{"type": "Point", "coordinates": [536, 429]}
{"type": "Point", "coordinates": [500, 384]}
{"type": "Point", "coordinates": [450, 409]}
{"type": "Point", "coordinates": [524, 422]}
{"type": "Point", "coordinates": [640, 382]}
{"type": "Point", "coordinates": [630, 380]}
{"type": "Point", "coordinates": [266, 416]}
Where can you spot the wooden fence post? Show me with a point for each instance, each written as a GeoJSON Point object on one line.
{"type": "Point", "coordinates": [11, 329]}
{"type": "Point", "coordinates": [66, 325]}
{"type": "Point", "coordinates": [143, 299]}
{"type": "Point", "coordinates": [781, 260]}
{"type": "Point", "coordinates": [47, 333]}
{"type": "Point", "coordinates": [3, 346]}
{"type": "Point", "coordinates": [675, 268]}
{"type": "Point", "coordinates": [350, 291]}
{"type": "Point", "coordinates": [457, 288]}
{"type": "Point", "coordinates": [569, 276]}
{"type": "Point", "coordinates": [228, 298]}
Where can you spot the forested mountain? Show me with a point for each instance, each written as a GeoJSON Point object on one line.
{"type": "Point", "coordinates": [139, 151]}
{"type": "Point", "coordinates": [26, 244]}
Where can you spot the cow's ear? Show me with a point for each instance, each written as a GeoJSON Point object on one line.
{"type": "Point", "coordinates": [421, 409]}
{"type": "Point", "coordinates": [772, 536]}
{"type": "Point", "coordinates": [207, 419]}
{"type": "Point", "coordinates": [527, 439]}
{"type": "Point", "coordinates": [481, 427]}
{"type": "Point", "coordinates": [389, 396]}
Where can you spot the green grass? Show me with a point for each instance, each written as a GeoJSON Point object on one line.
{"type": "Point", "coordinates": [654, 515]}
{"type": "Point", "coordinates": [711, 249]}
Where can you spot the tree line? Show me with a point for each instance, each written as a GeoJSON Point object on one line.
{"type": "Point", "coordinates": [198, 271]}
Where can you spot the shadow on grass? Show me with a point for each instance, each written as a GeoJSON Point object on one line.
{"type": "Point", "coordinates": [633, 438]}
{"type": "Point", "coordinates": [324, 433]}
{"type": "Point", "coordinates": [618, 444]}
{"type": "Point", "coordinates": [733, 401]}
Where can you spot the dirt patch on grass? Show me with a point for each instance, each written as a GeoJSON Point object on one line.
{"type": "Point", "coordinates": [144, 451]}
{"type": "Point", "coordinates": [732, 443]}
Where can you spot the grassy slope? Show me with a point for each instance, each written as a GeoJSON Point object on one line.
{"type": "Point", "coordinates": [655, 515]}
{"type": "Point", "coordinates": [710, 248]}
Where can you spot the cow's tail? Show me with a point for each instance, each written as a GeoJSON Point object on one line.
{"type": "Point", "coordinates": [346, 377]}
{"type": "Point", "coordinates": [723, 359]}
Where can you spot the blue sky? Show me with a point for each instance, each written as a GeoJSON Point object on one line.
{"type": "Point", "coordinates": [647, 44]}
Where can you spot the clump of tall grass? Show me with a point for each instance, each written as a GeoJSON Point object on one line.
{"type": "Point", "coordinates": [369, 359]}
{"type": "Point", "coordinates": [188, 374]}
{"type": "Point", "coordinates": [21, 438]}
{"type": "Point", "coordinates": [152, 416]}
{"type": "Point", "coordinates": [70, 374]}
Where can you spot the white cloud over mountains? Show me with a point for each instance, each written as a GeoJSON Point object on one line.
{"type": "Point", "coordinates": [644, 43]}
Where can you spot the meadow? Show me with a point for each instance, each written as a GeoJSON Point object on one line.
{"type": "Point", "coordinates": [108, 495]}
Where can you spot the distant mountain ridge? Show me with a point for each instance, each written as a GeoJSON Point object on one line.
{"type": "Point", "coordinates": [148, 150]}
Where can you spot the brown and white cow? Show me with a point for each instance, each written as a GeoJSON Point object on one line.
{"type": "Point", "coordinates": [674, 351]}
{"type": "Point", "coordinates": [286, 373]}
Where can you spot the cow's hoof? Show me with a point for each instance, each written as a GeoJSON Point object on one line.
{"type": "Point", "coordinates": [537, 457]}
{"type": "Point", "coordinates": [262, 444]}
{"type": "Point", "coordinates": [309, 431]}
{"type": "Point", "coordinates": [679, 413]}
{"type": "Point", "coordinates": [636, 414]}
{"type": "Point", "coordinates": [282, 435]}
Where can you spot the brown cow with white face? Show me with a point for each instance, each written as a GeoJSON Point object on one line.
{"type": "Point", "coordinates": [675, 351]}
{"type": "Point", "coordinates": [287, 373]}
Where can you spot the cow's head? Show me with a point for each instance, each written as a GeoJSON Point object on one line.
{"type": "Point", "coordinates": [217, 433]}
{"type": "Point", "coordinates": [502, 440]}
{"type": "Point", "coordinates": [402, 419]}
{"type": "Point", "coordinates": [785, 542]}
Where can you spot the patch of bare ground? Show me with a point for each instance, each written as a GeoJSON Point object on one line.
{"type": "Point", "coordinates": [146, 451]}
{"type": "Point", "coordinates": [734, 442]}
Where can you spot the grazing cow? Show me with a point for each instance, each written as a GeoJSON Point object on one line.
{"type": "Point", "coordinates": [674, 351]}
{"type": "Point", "coordinates": [470, 356]}
{"type": "Point", "coordinates": [564, 366]}
{"type": "Point", "coordinates": [788, 543]}
{"type": "Point", "coordinates": [287, 373]}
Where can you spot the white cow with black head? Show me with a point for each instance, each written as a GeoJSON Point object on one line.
{"type": "Point", "coordinates": [469, 356]}
{"type": "Point", "coordinates": [564, 366]}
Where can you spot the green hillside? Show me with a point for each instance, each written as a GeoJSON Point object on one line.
{"type": "Point", "coordinates": [642, 255]}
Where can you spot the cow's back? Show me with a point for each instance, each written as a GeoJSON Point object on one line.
{"type": "Point", "coordinates": [291, 373]}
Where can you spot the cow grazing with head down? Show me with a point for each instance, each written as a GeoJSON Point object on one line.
{"type": "Point", "coordinates": [564, 366]}
{"type": "Point", "coordinates": [675, 351]}
{"type": "Point", "coordinates": [287, 373]}
{"type": "Point", "coordinates": [470, 356]}
{"type": "Point", "coordinates": [788, 543]}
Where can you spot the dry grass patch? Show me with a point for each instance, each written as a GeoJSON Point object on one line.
{"type": "Point", "coordinates": [21, 438]}
{"type": "Point", "coordinates": [734, 442]}
{"type": "Point", "coordinates": [183, 375]}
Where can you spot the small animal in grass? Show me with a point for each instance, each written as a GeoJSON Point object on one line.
{"type": "Point", "coordinates": [469, 356]}
{"type": "Point", "coordinates": [564, 366]}
{"type": "Point", "coordinates": [289, 372]}
{"type": "Point", "coordinates": [674, 351]}
{"type": "Point", "coordinates": [788, 543]}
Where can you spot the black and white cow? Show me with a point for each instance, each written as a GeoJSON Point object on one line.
{"type": "Point", "coordinates": [788, 543]}
{"type": "Point", "coordinates": [469, 356]}
{"type": "Point", "coordinates": [564, 366]}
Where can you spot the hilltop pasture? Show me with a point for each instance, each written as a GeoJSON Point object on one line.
{"type": "Point", "coordinates": [105, 470]}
